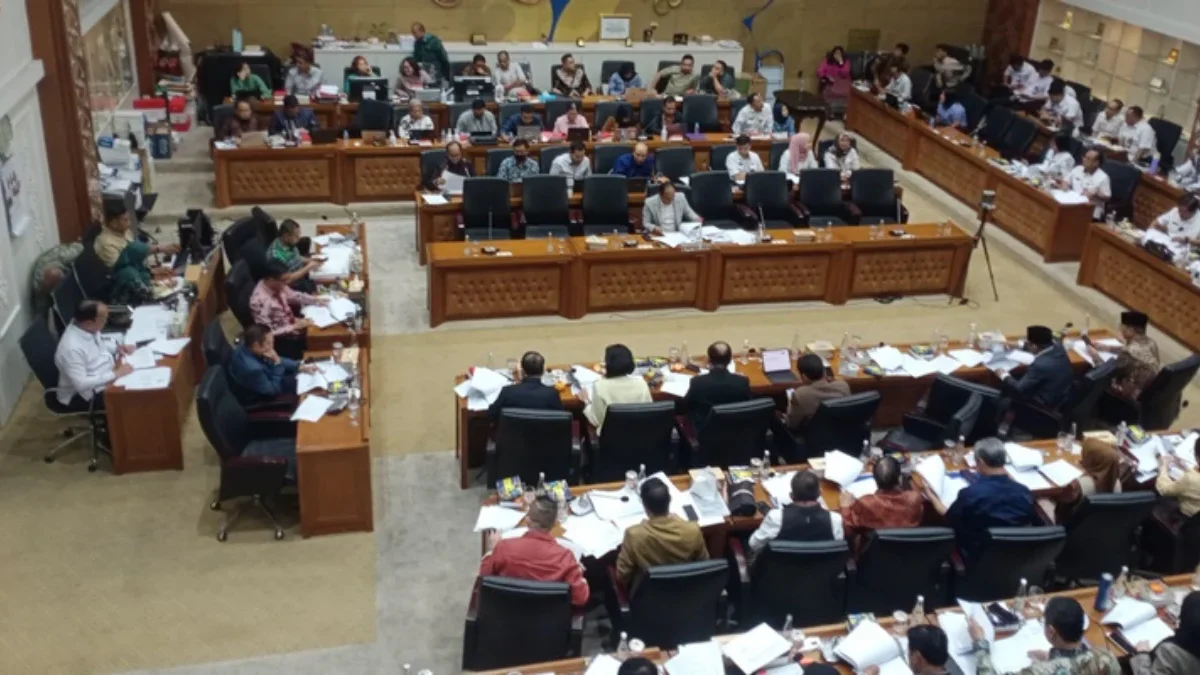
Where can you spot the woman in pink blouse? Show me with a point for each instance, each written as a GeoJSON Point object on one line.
{"type": "Point", "coordinates": [573, 118]}
{"type": "Point", "coordinates": [834, 76]}
{"type": "Point", "coordinates": [273, 304]}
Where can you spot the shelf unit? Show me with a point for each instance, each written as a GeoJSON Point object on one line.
{"type": "Point", "coordinates": [1120, 60]}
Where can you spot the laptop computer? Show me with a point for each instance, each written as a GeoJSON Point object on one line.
{"type": "Point", "coordinates": [777, 366]}
{"type": "Point", "coordinates": [325, 136]}
{"type": "Point", "coordinates": [421, 134]}
{"type": "Point", "coordinates": [252, 139]}
{"type": "Point", "coordinates": [581, 134]}
{"type": "Point", "coordinates": [428, 95]}
{"type": "Point", "coordinates": [483, 138]}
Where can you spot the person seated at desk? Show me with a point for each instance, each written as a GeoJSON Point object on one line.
{"type": "Point", "coordinates": [1187, 173]}
{"type": "Point", "coordinates": [1137, 136]}
{"type": "Point", "coordinates": [950, 113]}
{"type": "Point", "coordinates": [510, 78]}
{"type": "Point", "coordinates": [303, 78]}
{"type": "Point", "coordinates": [477, 120]}
{"type": "Point", "coordinates": [670, 120]}
{"type": "Point", "coordinates": [1063, 623]}
{"type": "Point", "coordinates": [292, 250]}
{"type": "Point", "coordinates": [478, 67]}
{"type": "Point", "coordinates": [899, 84]}
{"type": "Point", "coordinates": [572, 119]}
{"type": "Point", "coordinates": [1019, 74]}
{"type": "Point", "coordinates": [1182, 223]}
{"type": "Point", "coordinates": [802, 520]}
{"type": "Point", "coordinates": [526, 117]}
{"type": "Point", "coordinates": [1061, 109]}
{"type": "Point", "coordinates": [720, 82]}
{"type": "Point", "coordinates": [87, 362]}
{"type": "Point", "coordinates": [570, 80]}
{"type": "Point", "coordinates": [117, 233]}
{"type": "Point", "coordinates": [535, 555]}
{"type": "Point", "coordinates": [994, 500]}
{"type": "Point", "coordinates": [798, 155]}
{"type": "Point", "coordinates": [1089, 180]}
{"type": "Point", "coordinates": [814, 387]}
{"type": "Point", "coordinates": [665, 212]}
{"type": "Point", "coordinates": [744, 161]}
{"type": "Point", "coordinates": [637, 164]}
{"type": "Point", "coordinates": [1177, 655]}
{"type": "Point", "coordinates": [622, 119]}
{"type": "Point", "coordinates": [132, 281]}
{"type": "Point", "coordinates": [678, 80]}
{"type": "Point", "coordinates": [928, 651]}
{"type": "Point", "coordinates": [529, 392]}
{"type": "Point", "coordinates": [753, 119]}
{"type": "Point", "coordinates": [619, 385]}
{"type": "Point", "coordinates": [716, 387]}
{"type": "Point", "coordinates": [412, 78]}
{"type": "Point", "coordinates": [292, 117]}
{"type": "Point", "coordinates": [842, 155]}
{"type": "Point", "coordinates": [662, 539]}
{"type": "Point", "coordinates": [514, 169]}
{"type": "Point", "coordinates": [889, 506]}
{"type": "Point", "coordinates": [1184, 491]}
{"type": "Point", "coordinates": [784, 123]}
{"type": "Point", "coordinates": [428, 49]}
{"type": "Point", "coordinates": [416, 119]}
{"type": "Point", "coordinates": [1137, 360]}
{"type": "Point", "coordinates": [456, 162]}
{"type": "Point", "coordinates": [1033, 96]}
{"type": "Point", "coordinates": [245, 83]}
{"type": "Point", "coordinates": [271, 305]}
{"type": "Point", "coordinates": [573, 164]}
{"type": "Point", "coordinates": [1101, 464]}
{"type": "Point", "coordinates": [242, 121]}
{"type": "Point", "coordinates": [1047, 380]}
{"type": "Point", "coordinates": [626, 77]}
{"type": "Point", "coordinates": [1058, 162]}
{"type": "Point", "coordinates": [259, 371]}
{"type": "Point", "coordinates": [1108, 122]}
{"type": "Point", "coordinates": [359, 69]}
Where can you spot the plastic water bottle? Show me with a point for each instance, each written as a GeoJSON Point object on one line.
{"type": "Point", "coordinates": [346, 135]}
{"type": "Point", "coordinates": [641, 472]}
{"type": "Point", "coordinates": [1019, 601]}
{"type": "Point", "coordinates": [623, 647]}
{"type": "Point", "coordinates": [391, 138]}
{"type": "Point", "coordinates": [696, 128]}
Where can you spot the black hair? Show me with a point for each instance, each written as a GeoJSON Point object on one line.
{"type": "Point", "coordinates": [477, 58]}
{"type": "Point", "coordinates": [1062, 142]}
{"type": "Point", "coordinates": [887, 473]}
{"type": "Point", "coordinates": [533, 364]}
{"type": "Point", "coordinates": [290, 101]}
{"type": "Point", "coordinates": [719, 354]}
{"type": "Point", "coordinates": [903, 47]}
{"type": "Point", "coordinates": [638, 665]}
{"type": "Point", "coordinates": [520, 143]}
{"type": "Point", "coordinates": [754, 96]}
{"type": "Point", "coordinates": [951, 97]}
{"type": "Point", "coordinates": [1046, 64]}
{"type": "Point", "coordinates": [942, 46]}
{"type": "Point", "coordinates": [1119, 102]}
{"type": "Point", "coordinates": [566, 56]}
{"type": "Point", "coordinates": [1016, 60]}
{"type": "Point", "coordinates": [1137, 110]}
{"type": "Point", "coordinates": [810, 366]}
{"type": "Point", "coordinates": [806, 487]}
{"type": "Point", "coordinates": [742, 139]}
{"type": "Point", "coordinates": [618, 361]}
{"type": "Point", "coordinates": [687, 57]}
{"type": "Point", "coordinates": [289, 226]}
{"type": "Point", "coordinates": [931, 643]}
{"type": "Point", "coordinates": [478, 104]}
{"type": "Point", "coordinates": [254, 335]}
{"type": "Point", "coordinates": [577, 145]}
{"type": "Point", "coordinates": [1065, 616]}
{"type": "Point", "coordinates": [87, 310]}
{"type": "Point", "coordinates": [627, 71]}
{"type": "Point", "coordinates": [526, 107]}
{"type": "Point", "coordinates": [1058, 87]}
{"type": "Point", "coordinates": [656, 498]}
{"type": "Point", "coordinates": [573, 105]}
{"type": "Point", "coordinates": [275, 269]}
{"type": "Point", "coordinates": [412, 62]}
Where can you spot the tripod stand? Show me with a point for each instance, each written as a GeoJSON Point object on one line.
{"type": "Point", "coordinates": [987, 204]}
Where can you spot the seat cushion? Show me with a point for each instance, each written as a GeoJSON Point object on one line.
{"type": "Point", "coordinates": [274, 447]}
{"type": "Point", "coordinates": [822, 221]}
{"type": "Point", "coordinates": [902, 441]}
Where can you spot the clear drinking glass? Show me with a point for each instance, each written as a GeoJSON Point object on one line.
{"type": "Point", "coordinates": [511, 365]}
{"type": "Point", "coordinates": [673, 354]}
{"type": "Point", "coordinates": [900, 623]}
{"type": "Point", "coordinates": [1035, 603]}
{"type": "Point", "coordinates": [337, 352]}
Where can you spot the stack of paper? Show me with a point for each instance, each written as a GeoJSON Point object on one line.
{"type": "Point", "coordinates": [914, 367]}
{"type": "Point", "coordinates": [1022, 457]}
{"type": "Point", "coordinates": [603, 665]}
{"type": "Point", "coordinates": [615, 505]}
{"type": "Point", "coordinates": [1020, 356]}
{"type": "Point", "coordinates": [1030, 478]}
{"type": "Point", "coordinates": [886, 357]}
{"type": "Point", "coordinates": [1061, 472]}
{"type": "Point", "coordinates": [779, 487]}
{"type": "Point", "coordinates": [676, 384]}
{"type": "Point", "coordinates": [706, 499]}
{"type": "Point", "coordinates": [147, 378]}
{"type": "Point", "coordinates": [954, 625]}
{"type": "Point", "coordinates": [944, 485]}
{"type": "Point", "coordinates": [672, 239]}
{"type": "Point", "coordinates": [143, 357]}
{"type": "Point", "coordinates": [169, 347]}
{"type": "Point", "coordinates": [756, 648]}
{"type": "Point", "coordinates": [1147, 455]}
{"type": "Point", "coordinates": [594, 536]}
{"type": "Point", "coordinates": [865, 485]}
{"type": "Point", "coordinates": [342, 308]}
{"type": "Point", "coordinates": [150, 323]}
{"type": "Point", "coordinates": [842, 468]}
{"type": "Point", "coordinates": [482, 388]}
{"type": "Point", "coordinates": [336, 264]}
{"type": "Point", "coordinates": [1138, 622]}
{"type": "Point", "coordinates": [311, 409]}
{"type": "Point", "coordinates": [870, 645]}
{"type": "Point", "coordinates": [970, 358]}
{"type": "Point", "coordinates": [319, 315]}
{"type": "Point", "coordinates": [499, 518]}
{"type": "Point", "coordinates": [700, 658]}
{"type": "Point", "coordinates": [1011, 654]}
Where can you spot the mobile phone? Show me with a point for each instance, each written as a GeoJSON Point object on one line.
{"type": "Point", "coordinates": [690, 512]}
{"type": "Point", "coordinates": [1001, 615]}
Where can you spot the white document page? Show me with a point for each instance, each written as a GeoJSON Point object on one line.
{"type": "Point", "coordinates": [1128, 612]}
{"type": "Point", "coordinates": [143, 357]}
{"type": "Point", "coordinates": [1061, 472]}
{"type": "Point", "coordinates": [319, 315]}
{"type": "Point", "coordinates": [146, 379]}
{"type": "Point", "coordinates": [342, 308]}
{"type": "Point", "coordinates": [842, 468]}
{"type": "Point", "coordinates": [699, 658]}
{"type": "Point", "coordinates": [886, 357]}
{"type": "Point", "coordinates": [434, 199]}
{"type": "Point", "coordinates": [1011, 654]}
{"type": "Point", "coordinates": [1030, 478]}
{"type": "Point", "coordinates": [595, 536]}
{"type": "Point", "coordinates": [603, 665]}
{"type": "Point", "coordinates": [676, 384]}
{"type": "Point", "coordinates": [306, 382]}
{"type": "Point", "coordinates": [498, 518]}
{"type": "Point", "coordinates": [779, 487]}
{"type": "Point", "coordinates": [756, 648]}
{"type": "Point", "coordinates": [672, 239]}
{"type": "Point", "coordinates": [1020, 356]}
{"type": "Point", "coordinates": [775, 360]}
{"type": "Point", "coordinates": [868, 645]}
{"type": "Point", "coordinates": [311, 409]}
{"type": "Point", "coordinates": [1022, 457]}
{"type": "Point", "coordinates": [862, 487]}
{"type": "Point", "coordinates": [970, 358]}
{"type": "Point", "coordinates": [453, 184]}
{"type": "Point", "coordinates": [1153, 632]}
{"type": "Point", "coordinates": [169, 347]}
{"type": "Point", "coordinates": [616, 504]}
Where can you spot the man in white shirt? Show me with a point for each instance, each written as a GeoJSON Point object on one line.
{"type": "Point", "coordinates": [416, 119]}
{"type": "Point", "coordinates": [1037, 90]}
{"type": "Point", "coordinates": [1136, 135]}
{"type": "Point", "coordinates": [1108, 122]}
{"type": "Point", "coordinates": [900, 85]}
{"type": "Point", "coordinates": [1187, 174]}
{"type": "Point", "coordinates": [1058, 161]}
{"type": "Point", "coordinates": [1061, 109]}
{"type": "Point", "coordinates": [1182, 223]}
{"type": "Point", "coordinates": [1019, 73]}
{"type": "Point", "coordinates": [86, 362]}
{"type": "Point", "coordinates": [573, 164]}
{"type": "Point", "coordinates": [753, 119]}
{"type": "Point", "coordinates": [510, 77]}
{"type": "Point", "coordinates": [804, 519]}
{"type": "Point", "coordinates": [1089, 181]}
{"type": "Point", "coordinates": [742, 162]}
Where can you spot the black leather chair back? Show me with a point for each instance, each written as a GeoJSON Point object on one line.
{"type": "Point", "coordinates": [605, 110]}
{"type": "Point", "coordinates": [457, 68]}
{"type": "Point", "coordinates": [776, 589]}
{"type": "Point", "coordinates": [456, 111]}
{"type": "Point", "coordinates": [1166, 135]}
{"type": "Point", "coordinates": [222, 417]}
{"type": "Point", "coordinates": [634, 433]}
{"type": "Point", "coordinates": [1009, 555]}
{"type": "Point", "coordinates": [606, 155]}
{"type": "Point", "coordinates": [507, 110]}
{"type": "Point", "coordinates": [768, 189]}
{"type": "Point", "coordinates": [95, 278]}
{"type": "Point", "coordinates": [821, 192]}
{"type": "Point", "coordinates": [555, 109]}
{"type": "Point", "coordinates": [375, 69]}
{"type": "Point", "coordinates": [548, 154]}
{"type": "Point", "coordinates": [606, 201]}
{"type": "Point", "coordinates": [711, 196]}
{"type": "Point", "coordinates": [1162, 399]}
{"type": "Point", "coordinates": [677, 604]}
{"type": "Point", "coordinates": [1019, 137]}
{"type": "Point", "coordinates": [899, 564]}
{"type": "Point", "coordinates": [996, 124]}
{"type": "Point", "coordinates": [873, 191]}
{"type": "Point", "coordinates": [529, 442]}
{"type": "Point", "coordinates": [675, 163]}
{"type": "Point", "coordinates": [652, 109]}
{"type": "Point", "coordinates": [1080, 407]}
{"type": "Point", "coordinates": [700, 109]}
{"type": "Point", "coordinates": [374, 116]}
{"type": "Point", "coordinates": [1083, 93]}
{"type": "Point", "coordinates": [220, 114]}
{"type": "Point", "coordinates": [1102, 535]}
{"type": "Point", "coordinates": [263, 71]}
{"type": "Point", "coordinates": [66, 298]}
{"type": "Point", "coordinates": [39, 346]}
{"type": "Point", "coordinates": [735, 107]}
{"type": "Point", "coordinates": [518, 621]}
{"type": "Point", "coordinates": [718, 156]}
{"type": "Point", "coordinates": [495, 156]}
{"type": "Point", "coordinates": [736, 432]}
{"type": "Point", "coordinates": [1123, 179]}
{"type": "Point", "coordinates": [254, 254]}
{"type": "Point", "coordinates": [922, 80]}
{"type": "Point", "coordinates": [483, 198]}
{"type": "Point", "coordinates": [217, 349]}
{"type": "Point", "coordinates": [777, 148]}
{"type": "Point", "coordinates": [238, 287]}
{"type": "Point", "coordinates": [962, 422]}
{"type": "Point", "coordinates": [545, 201]}
{"type": "Point", "coordinates": [947, 395]}
{"type": "Point", "coordinates": [974, 105]}
{"type": "Point", "coordinates": [841, 424]}
{"type": "Point", "coordinates": [663, 65]}
{"type": "Point", "coordinates": [236, 235]}
{"type": "Point", "coordinates": [430, 161]}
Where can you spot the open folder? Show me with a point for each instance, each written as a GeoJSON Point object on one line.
{"type": "Point", "coordinates": [870, 645]}
{"type": "Point", "coordinates": [1137, 621]}
{"type": "Point", "coordinates": [944, 485]}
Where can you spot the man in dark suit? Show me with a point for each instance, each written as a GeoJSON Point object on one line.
{"type": "Point", "coordinates": [289, 120]}
{"type": "Point", "coordinates": [529, 392]}
{"type": "Point", "coordinates": [716, 387]}
{"type": "Point", "coordinates": [1048, 379]}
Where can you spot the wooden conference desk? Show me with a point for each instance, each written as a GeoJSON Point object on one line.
{"type": "Point", "coordinates": [567, 279]}
{"type": "Point", "coordinates": [146, 427]}
{"type": "Point", "coordinates": [1114, 264]}
{"type": "Point", "coordinates": [333, 463]}
{"type": "Point", "coordinates": [323, 339]}
{"type": "Point", "coordinates": [352, 171]}
{"type": "Point", "coordinates": [899, 395]}
{"type": "Point", "coordinates": [1096, 635]}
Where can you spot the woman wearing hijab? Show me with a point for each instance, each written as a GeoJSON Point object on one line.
{"type": "Point", "coordinates": [784, 123]}
{"type": "Point", "coordinates": [1101, 464]}
{"type": "Point", "coordinates": [132, 283]}
{"type": "Point", "coordinates": [1178, 655]}
{"type": "Point", "coordinates": [798, 156]}
{"type": "Point", "coordinates": [621, 119]}
{"type": "Point", "coordinates": [625, 78]}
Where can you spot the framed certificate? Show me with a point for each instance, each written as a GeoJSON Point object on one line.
{"type": "Point", "coordinates": [615, 26]}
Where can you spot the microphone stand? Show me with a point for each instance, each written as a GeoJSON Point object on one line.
{"type": "Point", "coordinates": [987, 204]}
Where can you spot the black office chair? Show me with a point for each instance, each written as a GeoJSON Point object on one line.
{"type": "Point", "coordinates": [634, 434]}
{"type": "Point", "coordinates": [548, 154]}
{"type": "Point", "coordinates": [1166, 137]}
{"type": "Point", "coordinates": [1078, 409]}
{"type": "Point", "coordinates": [531, 442]}
{"type": "Point", "coordinates": [375, 69]}
{"type": "Point", "coordinates": [605, 110]}
{"type": "Point", "coordinates": [487, 213]}
{"type": "Point", "coordinates": [995, 124]}
{"type": "Point", "coordinates": [663, 65]}
{"type": "Point", "coordinates": [605, 205]}
{"type": "Point", "coordinates": [507, 110]}
{"type": "Point", "coordinates": [456, 111]}
{"type": "Point", "coordinates": [675, 162]}
{"type": "Point", "coordinates": [220, 114]}
{"type": "Point", "coordinates": [770, 590]}
{"type": "Point", "coordinates": [94, 277]}
{"type": "Point", "coordinates": [1009, 555]}
{"type": "Point", "coordinates": [651, 109]}
{"type": "Point", "coordinates": [607, 69]}
{"type": "Point", "coordinates": [712, 199]}
{"type": "Point", "coordinates": [496, 156]}
{"type": "Point", "coordinates": [1123, 180]}
{"type": "Point", "coordinates": [39, 347]}
{"type": "Point", "coordinates": [374, 116]}
{"type": "Point", "coordinates": [734, 434]}
{"type": "Point", "coordinates": [1018, 138]}
{"type": "Point", "coordinates": [254, 455]}
{"type": "Point", "coordinates": [899, 564]}
{"type": "Point", "coordinates": [768, 197]}
{"type": "Point", "coordinates": [873, 193]}
{"type": "Point", "coordinates": [1102, 536]}
{"type": "Point", "coordinates": [65, 299]}
{"type": "Point", "coordinates": [1169, 543]}
{"type": "Point", "coordinates": [239, 285]}
{"type": "Point", "coordinates": [546, 210]}
{"type": "Point", "coordinates": [840, 424]}
{"type": "Point", "coordinates": [716, 160]}
{"type": "Point", "coordinates": [735, 107]}
{"type": "Point", "coordinates": [677, 604]}
{"type": "Point", "coordinates": [1075, 147]}
{"type": "Point", "coordinates": [975, 106]}
{"type": "Point", "coordinates": [254, 254]}
{"type": "Point", "coordinates": [922, 84]}
{"type": "Point", "coordinates": [548, 629]}
{"type": "Point", "coordinates": [821, 200]}
{"type": "Point", "coordinates": [236, 235]}
{"type": "Point", "coordinates": [217, 349]}
{"type": "Point", "coordinates": [556, 108]}
{"type": "Point", "coordinates": [606, 155]}
{"type": "Point", "coordinates": [921, 432]}
{"type": "Point", "coordinates": [1083, 93]}
{"type": "Point", "coordinates": [700, 110]}
{"type": "Point", "coordinates": [431, 161]}
{"type": "Point", "coordinates": [1159, 403]}
{"type": "Point", "coordinates": [777, 148]}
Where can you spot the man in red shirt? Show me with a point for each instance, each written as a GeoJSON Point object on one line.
{"type": "Point", "coordinates": [536, 555]}
{"type": "Point", "coordinates": [890, 506]}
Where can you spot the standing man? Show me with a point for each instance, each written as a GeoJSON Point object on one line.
{"type": "Point", "coordinates": [754, 119]}
{"type": "Point", "coordinates": [1090, 181]}
{"type": "Point", "coordinates": [677, 80]}
{"type": "Point", "coordinates": [428, 49]}
{"type": "Point", "coordinates": [573, 164]}
{"type": "Point", "coordinates": [1137, 136]}
{"type": "Point", "coordinates": [743, 162]}
{"type": "Point", "coordinates": [716, 387]}
{"type": "Point", "coordinates": [86, 362]}
{"type": "Point", "coordinates": [514, 169]}
{"type": "Point", "coordinates": [292, 118]}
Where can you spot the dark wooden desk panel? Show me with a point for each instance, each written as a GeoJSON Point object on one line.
{"type": "Point", "coordinates": [927, 263]}
{"type": "Point", "coordinates": [778, 273]}
{"type": "Point", "coordinates": [618, 278]}
{"type": "Point", "coordinates": [270, 176]}
{"type": "Point", "coordinates": [530, 282]}
{"type": "Point", "coordinates": [878, 123]}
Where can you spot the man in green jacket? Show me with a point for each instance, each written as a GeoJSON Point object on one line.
{"type": "Point", "coordinates": [429, 49]}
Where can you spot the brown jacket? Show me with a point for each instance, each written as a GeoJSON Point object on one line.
{"type": "Point", "coordinates": [663, 540]}
{"type": "Point", "coordinates": [805, 399]}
